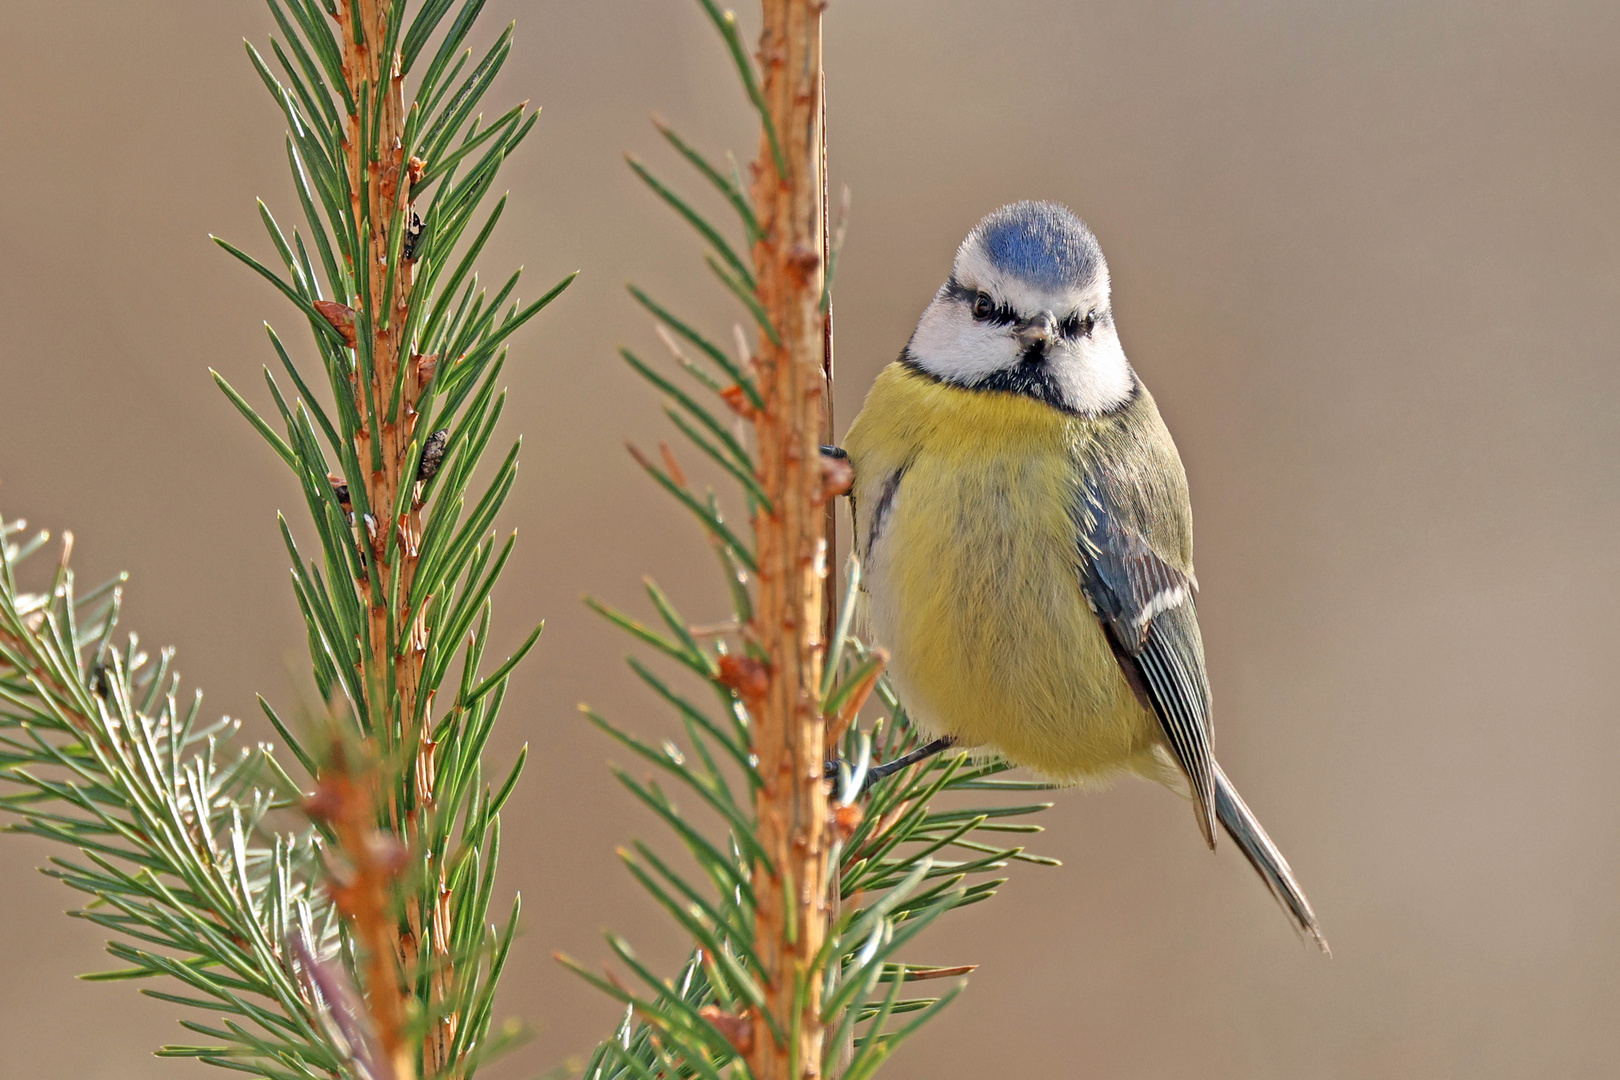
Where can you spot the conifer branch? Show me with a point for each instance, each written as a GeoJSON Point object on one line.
{"type": "Point", "coordinates": [381, 964]}
{"type": "Point", "coordinates": [381, 180]}
{"type": "Point", "coordinates": [167, 821]}
{"type": "Point", "coordinates": [811, 889]}
{"type": "Point", "coordinates": [795, 902]}
{"type": "Point", "coordinates": [390, 176]}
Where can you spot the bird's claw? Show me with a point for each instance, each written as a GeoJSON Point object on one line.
{"type": "Point", "coordinates": [875, 773]}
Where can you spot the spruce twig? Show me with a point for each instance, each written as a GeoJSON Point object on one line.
{"type": "Point", "coordinates": [165, 818]}
{"type": "Point", "coordinates": [810, 891]}
{"type": "Point", "coordinates": [190, 867]}
{"type": "Point", "coordinates": [362, 875]}
{"type": "Point", "coordinates": [390, 176]}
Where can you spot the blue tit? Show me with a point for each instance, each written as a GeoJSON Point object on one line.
{"type": "Point", "coordinates": [1024, 524]}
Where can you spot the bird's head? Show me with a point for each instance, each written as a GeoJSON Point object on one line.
{"type": "Point", "coordinates": [1026, 310]}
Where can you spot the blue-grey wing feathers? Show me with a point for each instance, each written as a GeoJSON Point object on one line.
{"type": "Point", "coordinates": [1146, 605]}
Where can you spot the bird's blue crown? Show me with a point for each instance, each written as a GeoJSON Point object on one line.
{"type": "Point", "coordinates": [1040, 242]}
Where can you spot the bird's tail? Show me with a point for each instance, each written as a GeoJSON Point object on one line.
{"type": "Point", "coordinates": [1244, 828]}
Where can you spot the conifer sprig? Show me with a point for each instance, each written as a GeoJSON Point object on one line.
{"type": "Point", "coordinates": [900, 855]}
{"type": "Point", "coordinates": [391, 173]}
{"type": "Point", "coordinates": [167, 819]}
{"type": "Point", "coordinates": [256, 913]}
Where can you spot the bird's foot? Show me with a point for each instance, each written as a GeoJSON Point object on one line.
{"type": "Point", "coordinates": [889, 768]}
{"type": "Point", "coordinates": [837, 476]}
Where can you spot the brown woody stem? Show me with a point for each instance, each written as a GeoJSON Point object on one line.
{"type": "Point", "coordinates": [795, 902]}
{"type": "Point", "coordinates": [363, 887]}
{"type": "Point", "coordinates": [380, 180]}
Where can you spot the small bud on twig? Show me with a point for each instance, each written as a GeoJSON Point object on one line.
{"type": "Point", "coordinates": [327, 802]}
{"type": "Point", "coordinates": [736, 1030]}
{"type": "Point", "coordinates": [341, 316]}
{"type": "Point", "coordinates": [803, 261]}
{"type": "Point", "coordinates": [748, 678]}
{"type": "Point", "coordinates": [424, 367]}
{"type": "Point", "coordinates": [735, 397]}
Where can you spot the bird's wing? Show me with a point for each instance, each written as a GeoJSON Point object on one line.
{"type": "Point", "coordinates": [1146, 607]}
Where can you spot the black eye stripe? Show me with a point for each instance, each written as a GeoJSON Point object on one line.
{"type": "Point", "coordinates": [1001, 314]}
{"type": "Point", "coordinates": [1073, 326]}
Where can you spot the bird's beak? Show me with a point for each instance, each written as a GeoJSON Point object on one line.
{"type": "Point", "coordinates": [1037, 332]}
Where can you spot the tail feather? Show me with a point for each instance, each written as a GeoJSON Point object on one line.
{"type": "Point", "coordinates": [1244, 829]}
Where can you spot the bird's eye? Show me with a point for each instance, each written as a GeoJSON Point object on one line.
{"type": "Point", "coordinates": [983, 306]}
{"type": "Point", "coordinates": [1077, 325]}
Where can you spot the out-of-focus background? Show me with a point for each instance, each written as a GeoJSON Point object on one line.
{"type": "Point", "coordinates": [1366, 255]}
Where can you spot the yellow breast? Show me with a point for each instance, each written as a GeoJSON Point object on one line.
{"type": "Point", "coordinates": [972, 572]}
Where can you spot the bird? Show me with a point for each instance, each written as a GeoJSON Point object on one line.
{"type": "Point", "coordinates": [1024, 526]}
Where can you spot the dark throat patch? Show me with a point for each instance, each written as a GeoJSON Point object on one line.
{"type": "Point", "coordinates": [1031, 377]}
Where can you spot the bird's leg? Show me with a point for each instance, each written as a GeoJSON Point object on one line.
{"type": "Point", "coordinates": [889, 768]}
{"type": "Point", "coordinates": [904, 761]}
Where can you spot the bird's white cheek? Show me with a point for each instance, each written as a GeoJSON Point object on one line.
{"type": "Point", "coordinates": [1094, 374]}
{"type": "Point", "coordinates": [951, 345]}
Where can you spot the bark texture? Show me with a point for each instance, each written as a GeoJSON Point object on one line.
{"type": "Point", "coordinates": [795, 902]}
{"type": "Point", "coordinates": [388, 381]}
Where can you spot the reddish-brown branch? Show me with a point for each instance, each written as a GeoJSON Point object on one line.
{"type": "Point", "coordinates": [380, 185]}
{"type": "Point", "coordinates": [363, 874]}
{"type": "Point", "coordinates": [794, 900]}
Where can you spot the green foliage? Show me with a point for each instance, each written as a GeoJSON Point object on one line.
{"type": "Point", "coordinates": [916, 848]}
{"type": "Point", "coordinates": [440, 606]}
{"type": "Point", "coordinates": [907, 861]}
{"type": "Point", "coordinates": [178, 839]}
{"type": "Point", "coordinates": [167, 817]}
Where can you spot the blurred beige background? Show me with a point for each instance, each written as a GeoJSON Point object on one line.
{"type": "Point", "coordinates": [1368, 258]}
